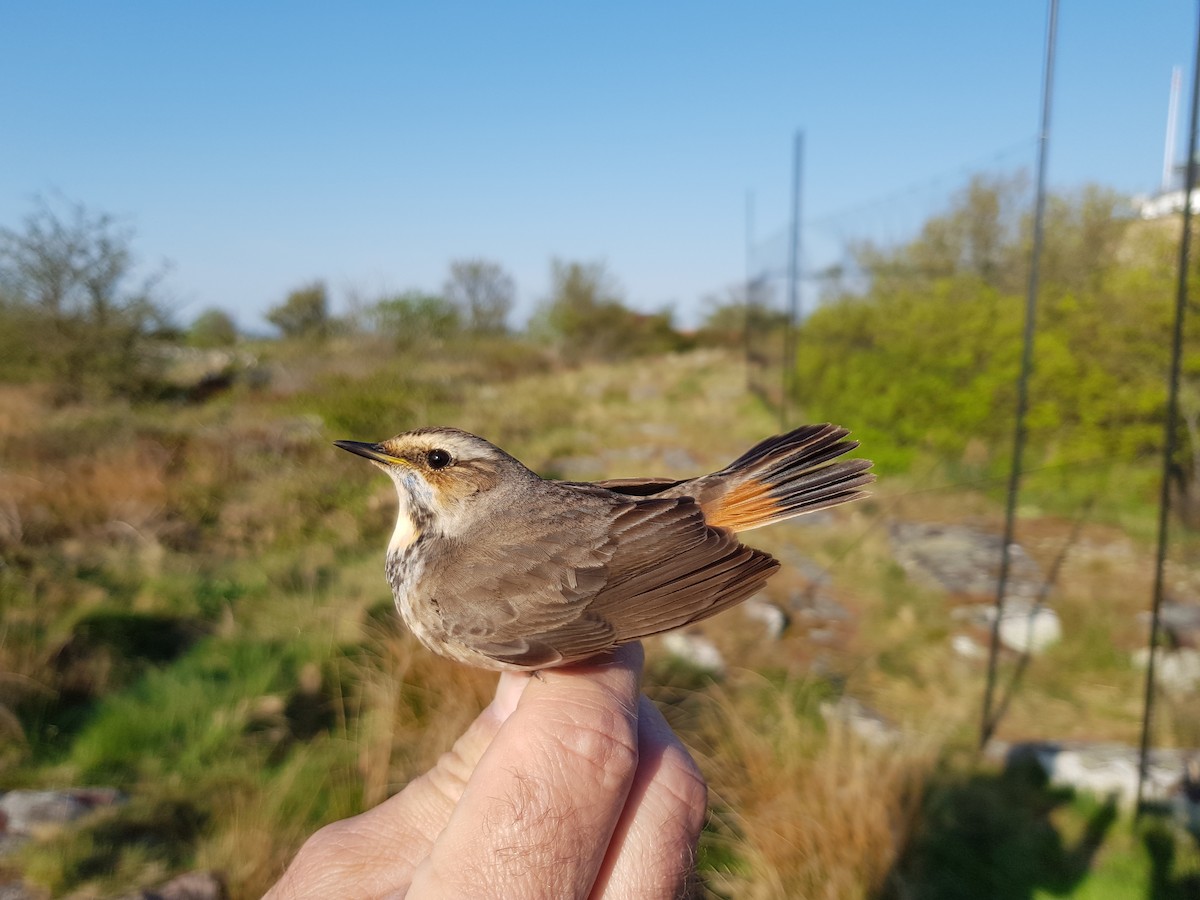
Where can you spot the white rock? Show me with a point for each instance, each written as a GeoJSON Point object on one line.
{"type": "Point", "coordinates": [25, 812]}
{"type": "Point", "coordinates": [1029, 629]}
{"type": "Point", "coordinates": [1111, 770]}
{"type": "Point", "coordinates": [1176, 671]}
{"type": "Point", "coordinates": [863, 721]}
{"type": "Point", "coordinates": [696, 650]}
{"type": "Point", "coordinates": [966, 647]}
{"type": "Point", "coordinates": [774, 619]}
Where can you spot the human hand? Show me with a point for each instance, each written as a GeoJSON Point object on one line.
{"type": "Point", "coordinates": [567, 785]}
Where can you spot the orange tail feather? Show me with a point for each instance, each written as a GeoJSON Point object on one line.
{"type": "Point", "coordinates": [786, 476]}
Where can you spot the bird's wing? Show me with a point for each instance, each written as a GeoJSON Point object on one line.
{"type": "Point", "coordinates": [630, 569]}
{"type": "Point", "coordinates": [672, 568]}
{"type": "Point", "coordinates": [638, 487]}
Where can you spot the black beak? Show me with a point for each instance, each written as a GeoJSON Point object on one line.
{"type": "Point", "coordinates": [373, 452]}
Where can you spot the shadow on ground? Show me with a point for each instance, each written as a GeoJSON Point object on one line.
{"type": "Point", "coordinates": [998, 835]}
{"type": "Point", "coordinates": [1165, 882]}
{"type": "Point", "coordinates": [105, 652]}
{"type": "Point", "coordinates": [991, 835]}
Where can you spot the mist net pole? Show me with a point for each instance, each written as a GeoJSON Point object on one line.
{"type": "Point", "coordinates": [1014, 479]}
{"type": "Point", "coordinates": [1169, 428]}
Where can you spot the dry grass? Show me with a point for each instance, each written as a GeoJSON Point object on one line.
{"type": "Point", "coordinates": [122, 487]}
{"type": "Point", "coordinates": [809, 812]}
{"type": "Point", "coordinates": [414, 705]}
{"type": "Point", "coordinates": [238, 516]}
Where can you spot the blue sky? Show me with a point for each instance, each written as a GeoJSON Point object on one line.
{"type": "Point", "coordinates": [259, 145]}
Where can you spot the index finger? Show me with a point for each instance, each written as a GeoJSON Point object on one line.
{"type": "Point", "coordinates": [540, 808]}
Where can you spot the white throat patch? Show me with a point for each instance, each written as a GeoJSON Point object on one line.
{"type": "Point", "coordinates": [407, 529]}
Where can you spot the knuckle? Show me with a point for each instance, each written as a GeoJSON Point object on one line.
{"type": "Point", "coordinates": [601, 739]}
{"type": "Point", "coordinates": [450, 775]}
{"type": "Point", "coordinates": [325, 841]}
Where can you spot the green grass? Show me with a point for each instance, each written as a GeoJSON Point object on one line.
{"type": "Point", "coordinates": [197, 614]}
{"type": "Point", "coordinates": [1010, 836]}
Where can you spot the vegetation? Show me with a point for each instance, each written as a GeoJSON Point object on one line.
{"type": "Point", "coordinates": [584, 317]}
{"type": "Point", "coordinates": [482, 292]}
{"type": "Point", "coordinates": [415, 318]}
{"type": "Point", "coordinates": [193, 609]}
{"type": "Point", "coordinates": [212, 328]}
{"type": "Point", "coordinates": [948, 309]}
{"type": "Point", "coordinates": [305, 312]}
{"type": "Point", "coordinates": [70, 312]}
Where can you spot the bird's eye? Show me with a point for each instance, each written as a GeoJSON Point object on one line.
{"type": "Point", "coordinates": [438, 459]}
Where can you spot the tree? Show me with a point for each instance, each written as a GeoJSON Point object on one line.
{"type": "Point", "coordinates": [414, 316]}
{"type": "Point", "coordinates": [584, 316]}
{"type": "Point", "coordinates": [983, 236]}
{"type": "Point", "coordinates": [482, 292]}
{"type": "Point", "coordinates": [305, 312]}
{"type": "Point", "coordinates": [213, 328]}
{"type": "Point", "coordinates": [927, 359]}
{"type": "Point", "coordinates": [72, 309]}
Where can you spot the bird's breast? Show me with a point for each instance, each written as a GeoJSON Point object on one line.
{"type": "Point", "coordinates": [405, 567]}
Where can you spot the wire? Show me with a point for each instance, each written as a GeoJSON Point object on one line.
{"type": "Point", "coordinates": [1170, 428]}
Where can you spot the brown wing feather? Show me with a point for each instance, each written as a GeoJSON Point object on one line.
{"type": "Point", "coordinates": [583, 586]}
{"type": "Point", "coordinates": [638, 487]}
{"type": "Point", "coordinates": [674, 569]}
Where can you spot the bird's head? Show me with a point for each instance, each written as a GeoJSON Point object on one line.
{"type": "Point", "coordinates": [439, 472]}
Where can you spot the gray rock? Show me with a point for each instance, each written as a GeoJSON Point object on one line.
{"type": "Point", "coordinates": [11, 843]}
{"type": "Point", "coordinates": [16, 890]}
{"type": "Point", "coordinates": [962, 560]}
{"type": "Point", "coordinates": [26, 812]}
{"type": "Point", "coordinates": [815, 600]}
{"type": "Point", "coordinates": [860, 719]}
{"type": "Point", "coordinates": [817, 603]}
{"type": "Point", "coordinates": [1180, 623]}
{"type": "Point", "coordinates": [1185, 802]}
{"type": "Point", "coordinates": [807, 567]}
{"type": "Point", "coordinates": [201, 372]}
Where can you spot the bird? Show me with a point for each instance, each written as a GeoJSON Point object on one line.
{"type": "Point", "coordinates": [496, 567]}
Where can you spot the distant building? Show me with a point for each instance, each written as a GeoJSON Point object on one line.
{"type": "Point", "coordinates": [1169, 201]}
{"type": "Point", "coordinates": [1163, 205]}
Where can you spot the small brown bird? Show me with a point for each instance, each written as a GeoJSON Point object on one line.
{"type": "Point", "coordinates": [496, 567]}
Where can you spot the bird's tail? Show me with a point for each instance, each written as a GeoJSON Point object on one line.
{"type": "Point", "coordinates": [785, 476]}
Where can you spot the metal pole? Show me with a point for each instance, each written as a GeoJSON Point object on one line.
{"type": "Point", "coordinates": [793, 318]}
{"type": "Point", "coordinates": [1170, 427]}
{"type": "Point", "coordinates": [748, 324]}
{"type": "Point", "coordinates": [1168, 172]}
{"type": "Point", "coordinates": [1014, 479]}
